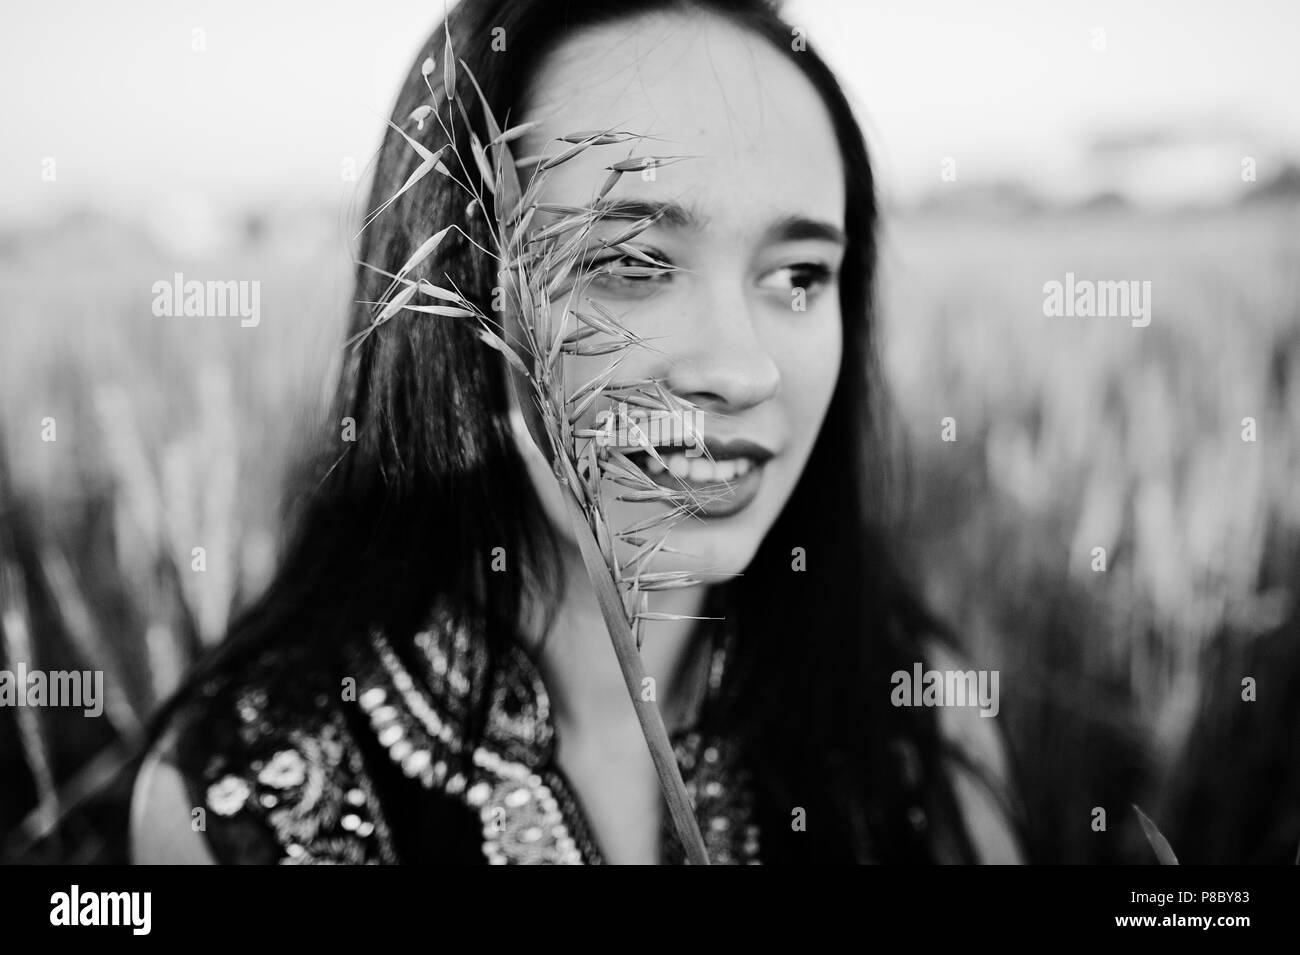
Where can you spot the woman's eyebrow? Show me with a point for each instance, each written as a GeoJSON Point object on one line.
{"type": "Point", "coordinates": [794, 228]}
{"type": "Point", "coordinates": [790, 228]}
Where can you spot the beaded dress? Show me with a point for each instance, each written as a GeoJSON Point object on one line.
{"type": "Point", "coordinates": [385, 758]}
{"type": "Point", "coordinates": [378, 767]}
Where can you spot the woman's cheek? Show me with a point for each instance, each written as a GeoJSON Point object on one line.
{"type": "Point", "coordinates": [810, 362]}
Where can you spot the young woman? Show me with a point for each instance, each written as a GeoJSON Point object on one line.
{"type": "Point", "coordinates": [429, 679]}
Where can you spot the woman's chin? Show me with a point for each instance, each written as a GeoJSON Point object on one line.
{"type": "Point", "coordinates": [709, 549]}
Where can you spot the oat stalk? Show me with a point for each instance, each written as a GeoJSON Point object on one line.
{"type": "Point", "coordinates": [544, 254]}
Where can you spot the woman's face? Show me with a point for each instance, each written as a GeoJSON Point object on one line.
{"type": "Point", "coordinates": [749, 331]}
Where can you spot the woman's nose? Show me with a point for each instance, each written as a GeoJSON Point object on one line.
{"type": "Point", "coordinates": [717, 359]}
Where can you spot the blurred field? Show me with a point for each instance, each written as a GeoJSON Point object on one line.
{"type": "Point", "coordinates": [1075, 433]}
{"type": "Point", "coordinates": [1118, 687]}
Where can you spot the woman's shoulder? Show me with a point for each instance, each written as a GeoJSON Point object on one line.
{"type": "Point", "coordinates": [980, 768]}
{"type": "Point", "coordinates": [257, 765]}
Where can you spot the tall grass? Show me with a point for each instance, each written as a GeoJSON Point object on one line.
{"type": "Point", "coordinates": [1118, 687]}
{"type": "Point", "coordinates": [1087, 432]}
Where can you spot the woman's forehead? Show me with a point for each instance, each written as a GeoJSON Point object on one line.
{"type": "Point", "coordinates": [760, 138]}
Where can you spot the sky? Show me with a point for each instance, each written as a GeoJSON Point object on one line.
{"type": "Point", "coordinates": [284, 94]}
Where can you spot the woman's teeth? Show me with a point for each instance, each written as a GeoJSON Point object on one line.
{"type": "Point", "coordinates": [699, 470]}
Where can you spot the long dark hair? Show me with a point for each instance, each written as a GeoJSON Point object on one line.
{"type": "Point", "coordinates": [409, 512]}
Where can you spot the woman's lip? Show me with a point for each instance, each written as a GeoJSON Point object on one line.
{"type": "Point", "coordinates": [737, 448]}
{"type": "Point", "coordinates": [715, 498]}
{"type": "Point", "coordinates": [717, 450]}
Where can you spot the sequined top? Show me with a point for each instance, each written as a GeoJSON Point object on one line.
{"type": "Point", "coordinates": [378, 767]}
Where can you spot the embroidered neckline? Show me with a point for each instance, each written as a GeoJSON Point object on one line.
{"type": "Point", "coordinates": [529, 811]}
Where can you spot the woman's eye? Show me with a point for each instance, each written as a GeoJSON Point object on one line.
{"type": "Point", "coordinates": [810, 276]}
{"type": "Point", "coordinates": [631, 273]}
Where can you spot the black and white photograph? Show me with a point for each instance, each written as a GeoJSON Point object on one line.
{"type": "Point", "coordinates": [672, 432]}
